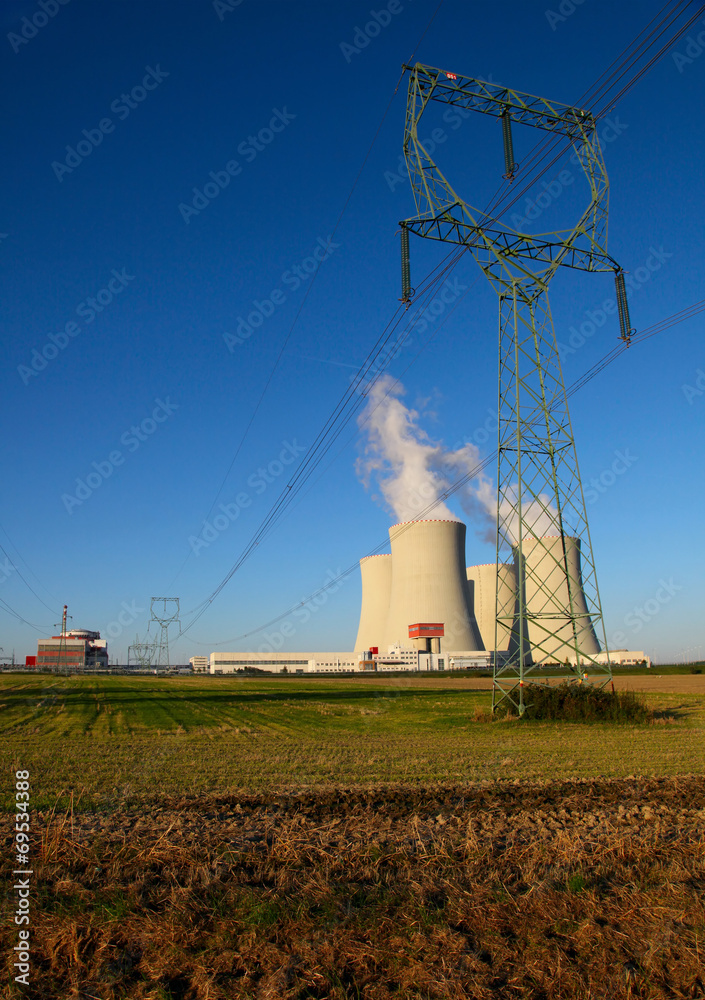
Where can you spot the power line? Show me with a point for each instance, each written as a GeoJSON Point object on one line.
{"type": "Point", "coordinates": [349, 403]}
{"type": "Point", "coordinates": [24, 581]}
{"type": "Point", "coordinates": [599, 90]}
{"type": "Point", "coordinates": [309, 288]}
{"type": "Point", "coordinates": [684, 314]}
{"type": "Point", "coordinates": [4, 606]}
{"type": "Point", "coordinates": [651, 331]}
{"type": "Point", "coordinates": [343, 411]}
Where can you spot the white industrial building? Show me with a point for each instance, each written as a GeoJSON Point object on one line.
{"type": "Point", "coordinates": [283, 663]}
{"type": "Point", "coordinates": [625, 658]}
{"type": "Point", "coordinates": [394, 659]}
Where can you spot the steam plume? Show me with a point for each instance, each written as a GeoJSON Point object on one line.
{"type": "Point", "coordinates": [412, 472]}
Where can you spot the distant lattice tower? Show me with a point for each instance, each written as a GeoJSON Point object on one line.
{"type": "Point", "coordinates": [165, 612]}
{"type": "Point", "coordinates": [540, 494]}
{"type": "Point", "coordinates": [144, 653]}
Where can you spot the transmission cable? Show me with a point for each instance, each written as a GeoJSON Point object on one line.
{"type": "Point", "coordinates": [309, 288]}
{"type": "Point", "coordinates": [4, 606]}
{"type": "Point", "coordinates": [610, 102]}
{"type": "Point", "coordinates": [688, 313]}
{"type": "Point", "coordinates": [328, 434]}
{"type": "Point", "coordinates": [16, 570]}
{"type": "Point", "coordinates": [299, 478]}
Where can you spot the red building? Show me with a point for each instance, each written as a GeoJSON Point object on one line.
{"type": "Point", "coordinates": [77, 649]}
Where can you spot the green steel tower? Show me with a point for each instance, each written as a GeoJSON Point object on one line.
{"type": "Point", "coordinates": [553, 613]}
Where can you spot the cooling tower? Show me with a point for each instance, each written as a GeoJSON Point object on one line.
{"type": "Point", "coordinates": [548, 595]}
{"type": "Point", "coordinates": [429, 583]}
{"type": "Point", "coordinates": [482, 582]}
{"type": "Point", "coordinates": [376, 572]}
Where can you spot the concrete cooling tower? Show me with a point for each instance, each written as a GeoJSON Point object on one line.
{"type": "Point", "coordinates": [429, 583]}
{"type": "Point", "coordinates": [548, 594]}
{"type": "Point", "coordinates": [376, 586]}
{"type": "Point", "coordinates": [482, 583]}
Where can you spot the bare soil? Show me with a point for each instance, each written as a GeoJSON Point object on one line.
{"type": "Point", "coordinates": [652, 683]}
{"type": "Point", "coordinates": [575, 889]}
{"type": "Point", "coordinates": [663, 684]}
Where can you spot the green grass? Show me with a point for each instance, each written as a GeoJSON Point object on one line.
{"type": "Point", "coordinates": [102, 706]}
{"type": "Point", "coordinates": [109, 739]}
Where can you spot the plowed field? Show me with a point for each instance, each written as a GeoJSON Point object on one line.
{"type": "Point", "coordinates": [589, 889]}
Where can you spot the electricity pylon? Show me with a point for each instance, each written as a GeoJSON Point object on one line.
{"type": "Point", "coordinates": [165, 612]}
{"type": "Point", "coordinates": [554, 615]}
{"type": "Point", "coordinates": [143, 652]}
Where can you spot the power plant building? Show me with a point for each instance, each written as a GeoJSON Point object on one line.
{"type": "Point", "coordinates": [423, 609]}
{"type": "Point", "coordinates": [429, 584]}
{"type": "Point", "coordinates": [77, 649]}
{"type": "Point", "coordinates": [552, 580]}
{"type": "Point", "coordinates": [283, 663]}
{"type": "Point", "coordinates": [482, 583]}
{"type": "Point", "coordinates": [425, 580]}
{"type": "Point", "coordinates": [392, 660]}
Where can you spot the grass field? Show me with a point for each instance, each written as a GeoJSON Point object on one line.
{"type": "Point", "coordinates": [375, 837]}
{"type": "Point", "coordinates": [112, 739]}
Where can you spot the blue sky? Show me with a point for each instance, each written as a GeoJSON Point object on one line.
{"type": "Point", "coordinates": [130, 286]}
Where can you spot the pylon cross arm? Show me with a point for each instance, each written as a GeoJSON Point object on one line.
{"type": "Point", "coordinates": [499, 244]}
{"type": "Point", "coordinates": [494, 99]}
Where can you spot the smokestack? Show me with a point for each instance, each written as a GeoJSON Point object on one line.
{"type": "Point", "coordinates": [552, 581]}
{"type": "Point", "coordinates": [376, 572]}
{"type": "Point", "coordinates": [429, 583]}
{"type": "Point", "coordinates": [482, 584]}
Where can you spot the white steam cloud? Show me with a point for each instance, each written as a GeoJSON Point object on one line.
{"type": "Point", "coordinates": [413, 472]}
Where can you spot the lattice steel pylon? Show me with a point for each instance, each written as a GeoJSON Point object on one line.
{"type": "Point", "coordinates": [143, 652]}
{"type": "Point", "coordinates": [555, 614]}
{"type": "Point", "coordinates": [164, 617]}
